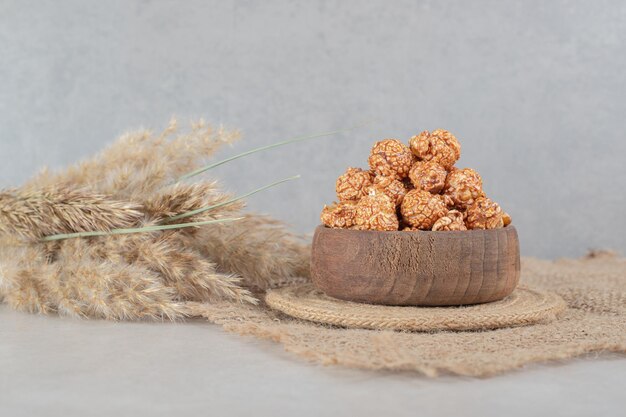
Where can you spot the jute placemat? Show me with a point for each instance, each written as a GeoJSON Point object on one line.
{"type": "Point", "coordinates": [523, 307]}
{"type": "Point", "coordinates": [593, 322]}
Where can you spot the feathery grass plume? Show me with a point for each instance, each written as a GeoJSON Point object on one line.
{"type": "Point", "coordinates": [79, 285]}
{"type": "Point", "coordinates": [179, 199]}
{"type": "Point", "coordinates": [145, 276]}
{"type": "Point", "coordinates": [35, 213]}
{"type": "Point", "coordinates": [151, 275]}
{"type": "Point", "coordinates": [94, 287]}
{"type": "Point", "coordinates": [139, 163]}
{"type": "Point", "coordinates": [226, 202]}
{"type": "Point", "coordinates": [24, 272]}
{"type": "Point", "coordinates": [135, 230]}
{"type": "Point", "coordinates": [192, 276]}
{"type": "Point", "coordinates": [258, 248]}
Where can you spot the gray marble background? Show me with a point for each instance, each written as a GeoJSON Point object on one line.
{"type": "Point", "coordinates": [533, 89]}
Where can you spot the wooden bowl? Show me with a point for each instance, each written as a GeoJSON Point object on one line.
{"type": "Point", "coordinates": [416, 268]}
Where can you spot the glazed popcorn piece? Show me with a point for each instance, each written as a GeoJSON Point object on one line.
{"type": "Point", "coordinates": [376, 212]}
{"type": "Point", "coordinates": [440, 146]}
{"type": "Point", "coordinates": [421, 209]}
{"type": "Point", "coordinates": [352, 185]}
{"type": "Point", "coordinates": [339, 215]}
{"type": "Point", "coordinates": [392, 187]}
{"type": "Point", "coordinates": [463, 186]}
{"type": "Point", "coordinates": [484, 214]}
{"type": "Point", "coordinates": [412, 189]}
{"type": "Point", "coordinates": [391, 158]}
{"type": "Point", "coordinates": [428, 176]}
{"type": "Point", "coordinates": [453, 220]}
{"type": "Point", "coordinates": [447, 200]}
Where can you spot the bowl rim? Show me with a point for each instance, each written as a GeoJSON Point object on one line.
{"type": "Point", "coordinates": [408, 233]}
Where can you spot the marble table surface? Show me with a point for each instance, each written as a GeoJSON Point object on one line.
{"type": "Point", "coordinates": [65, 367]}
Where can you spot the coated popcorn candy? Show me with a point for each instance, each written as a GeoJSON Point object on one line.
{"type": "Point", "coordinates": [392, 187]}
{"type": "Point", "coordinates": [376, 212]}
{"type": "Point", "coordinates": [446, 200]}
{"type": "Point", "coordinates": [484, 214]}
{"type": "Point", "coordinates": [428, 176]}
{"type": "Point", "coordinates": [463, 186]}
{"type": "Point", "coordinates": [421, 209]}
{"type": "Point", "coordinates": [391, 158]}
{"type": "Point", "coordinates": [453, 220]}
{"type": "Point", "coordinates": [339, 215]}
{"type": "Point", "coordinates": [353, 184]}
{"type": "Point", "coordinates": [439, 146]}
{"type": "Point", "coordinates": [414, 188]}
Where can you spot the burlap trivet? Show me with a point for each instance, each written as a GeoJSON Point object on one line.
{"type": "Point", "coordinates": [594, 322]}
{"type": "Point", "coordinates": [524, 307]}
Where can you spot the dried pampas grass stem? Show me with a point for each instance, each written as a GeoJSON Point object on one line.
{"type": "Point", "coordinates": [35, 213]}
{"type": "Point", "coordinates": [135, 230]}
{"type": "Point", "coordinates": [183, 198]}
{"type": "Point", "coordinates": [225, 203]}
{"type": "Point", "coordinates": [139, 261]}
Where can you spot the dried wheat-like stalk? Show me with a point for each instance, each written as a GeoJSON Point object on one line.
{"type": "Point", "coordinates": [258, 248]}
{"type": "Point", "coordinates": [81, 285]}
{"type": "Point", "coordinates": [183, 198]}
{"type": "Point", "coordinates": [33, 214]}
{"type": "Point", "coordinates": [133, 267]}
{"type": "Point", "coordinates": [139, 163]}
{"type": "Point", "coordinates": [193, 277]}
{"type": "Point", "coordinates": [24, 269]}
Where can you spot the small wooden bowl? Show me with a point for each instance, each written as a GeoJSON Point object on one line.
{"type": "Point", "coordinates": [416, 268]}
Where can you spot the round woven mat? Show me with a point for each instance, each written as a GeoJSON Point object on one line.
{"type": "Point", "coordinates": [523, 307]}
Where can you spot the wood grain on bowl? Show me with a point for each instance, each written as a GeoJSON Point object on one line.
{"type": "Point", "coordinates": [416, 268]}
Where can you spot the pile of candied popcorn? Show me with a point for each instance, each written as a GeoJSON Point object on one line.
{"type": "Point", "coordinates": [415, 187]}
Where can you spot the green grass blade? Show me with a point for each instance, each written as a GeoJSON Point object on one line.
{"type": "Point", "coordinates": [233, 200]}
{"type": "Point", "coordinates": [264, 148]}
{"type": "Point", "coordinates": [135, 230]}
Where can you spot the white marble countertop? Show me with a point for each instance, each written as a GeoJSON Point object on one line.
{"type": "Point", "coordinates": [64, 367]}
